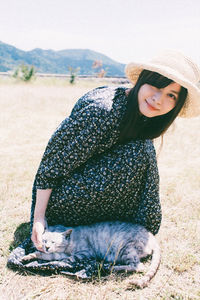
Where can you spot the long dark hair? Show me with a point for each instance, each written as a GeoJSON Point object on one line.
{"type": "Point", "coordinates": [136, 126]}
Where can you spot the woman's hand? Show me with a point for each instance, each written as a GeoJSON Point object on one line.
{"type": "Point", "coordinates": [42, 198]}
{"type": "Point", "coordinates": [38, 230]}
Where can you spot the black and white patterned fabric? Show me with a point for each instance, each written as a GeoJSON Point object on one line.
{"type": "Point", "coordinates": [86, 269]}
{"type": "Point", "coordinates": [93, 177]}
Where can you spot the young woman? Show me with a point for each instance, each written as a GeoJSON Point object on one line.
{"type": "Point", "coordinates": [100, 164]}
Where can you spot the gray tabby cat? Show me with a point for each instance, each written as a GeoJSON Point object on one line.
{"type": "Point", "coordinates": [122, 244]}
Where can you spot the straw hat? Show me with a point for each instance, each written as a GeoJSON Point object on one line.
{"type": "Point", "coordinates": [176, 66]}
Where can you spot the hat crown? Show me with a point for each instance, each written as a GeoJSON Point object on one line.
{"type": "Point", "coordinates": [179, 68]}
{"type": "Point", "coordinates": [179, 63]}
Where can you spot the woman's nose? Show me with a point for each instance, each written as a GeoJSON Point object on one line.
{"type": "Point", "coordinates": [157, 97]}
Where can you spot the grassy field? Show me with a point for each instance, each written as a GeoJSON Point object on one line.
{"type": "Point", "coordinates": [29, 115]}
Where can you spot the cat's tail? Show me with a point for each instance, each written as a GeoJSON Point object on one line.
{"type": "Point", "coordinates": [155, 262]}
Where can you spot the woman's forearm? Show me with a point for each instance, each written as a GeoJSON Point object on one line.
{"type": "Point", "coordinates": [42, 199]}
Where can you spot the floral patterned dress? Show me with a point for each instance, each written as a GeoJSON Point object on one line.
{"type": "Point", "coordinates": [94, 178]}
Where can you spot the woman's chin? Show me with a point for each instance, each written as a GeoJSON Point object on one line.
{"type": "Point", "coordinates": [147, 114]}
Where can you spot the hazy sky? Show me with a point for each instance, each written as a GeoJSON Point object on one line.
{"type": "Point", "coordinates": [125, 30]}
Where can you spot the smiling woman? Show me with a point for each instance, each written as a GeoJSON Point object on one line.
{"type": "Point", "coordinates": [100, 164]}
{"type": "Point", "coordinates": [155, 102]}
{"type": "Point", "coordinates": [83, 160]}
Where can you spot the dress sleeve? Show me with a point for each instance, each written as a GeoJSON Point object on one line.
{"type": "Point", "coordinates": [149, 211]}
{"type": "Point", "coordinates": [89, 130]}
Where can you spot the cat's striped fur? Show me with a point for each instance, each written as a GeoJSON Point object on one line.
{"type": "Point", "coordinates": [120, 243]}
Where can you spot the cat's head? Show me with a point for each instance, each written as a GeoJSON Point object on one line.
{"type": "Point", "coordinates": [56, 241]}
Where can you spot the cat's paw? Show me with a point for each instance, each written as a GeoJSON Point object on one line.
{"type": "Point", "coordinates": [25, 258]}
{"type": "Point", "coordinates": [28, 257]}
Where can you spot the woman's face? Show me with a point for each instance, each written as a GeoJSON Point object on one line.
{"type": "Point", "coordinates": [154, 102]}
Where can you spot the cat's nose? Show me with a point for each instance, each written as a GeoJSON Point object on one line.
{"type": "Point", "coordinates": [47, 248]}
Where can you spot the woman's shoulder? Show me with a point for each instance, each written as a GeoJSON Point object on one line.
{"type": "Point", "coordinates": [106, 91]}
{"type": "Point", "coordinates": [102, 97]}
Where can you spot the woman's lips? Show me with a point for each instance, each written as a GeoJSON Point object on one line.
{"type": "Point", "coordinates": [150, 106]}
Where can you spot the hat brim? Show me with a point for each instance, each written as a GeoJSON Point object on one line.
{"type": "Point", "coordinates": [192, 106]}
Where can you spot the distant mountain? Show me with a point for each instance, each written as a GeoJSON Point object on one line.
{"type": "Point", "coordinates": [50, 61]}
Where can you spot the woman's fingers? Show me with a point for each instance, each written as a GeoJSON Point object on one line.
{"type": "Point", "coordinates": [38, 229]}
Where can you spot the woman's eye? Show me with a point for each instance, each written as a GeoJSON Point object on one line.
{"type": "Point", "coordinates": [172, 96]}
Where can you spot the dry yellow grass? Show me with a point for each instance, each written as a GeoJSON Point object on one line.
{"type": "Point", "coordinates": [29, 115]}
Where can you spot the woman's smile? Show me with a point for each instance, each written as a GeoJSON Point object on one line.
{"type": "Point", "coordinates": [151, 107]}
{"type": "Point", "coordinates": [153, 101]}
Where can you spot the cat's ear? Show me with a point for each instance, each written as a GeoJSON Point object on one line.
{"type": "Point", "coordinates": [67, 233]}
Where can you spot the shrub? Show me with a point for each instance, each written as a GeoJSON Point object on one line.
{"type": "Point", "coordinates": [99, 70]}
{"type": "Point", "coordinates": [73, 74]}
{"type": "Point", "coordinates": [24, 72]}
